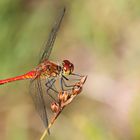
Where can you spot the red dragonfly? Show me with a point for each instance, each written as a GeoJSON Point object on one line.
{"type": "Point", "coordinates": [45, 70]}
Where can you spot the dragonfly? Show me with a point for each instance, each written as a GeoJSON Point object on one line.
{"type": "Point", "coordinates": [46, 69]}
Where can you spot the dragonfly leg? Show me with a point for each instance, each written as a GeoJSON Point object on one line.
{"type": "Point", "coordinates": [50, 82]}
{"type": "Point", "coordinates": [75, 74]}
{"type": "Point", "coordinates": [64, 84]}
{"type": "Point", "coordinates": [50, 85]}
{"type": "Point", "coordinates": [61, 83]}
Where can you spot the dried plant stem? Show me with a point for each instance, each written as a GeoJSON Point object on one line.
{"type": "Point", "coordinates": [45, 134]}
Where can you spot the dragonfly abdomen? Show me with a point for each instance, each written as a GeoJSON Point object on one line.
{"type": "Point", "coordinates": [28, 75]}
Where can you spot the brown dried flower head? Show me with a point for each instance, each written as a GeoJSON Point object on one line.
{"type": "Point", "coordinates": [55, 107]}
{"type": "Point", "coordinates": [63, 96]}
{"type": "Point", "coordinates": [77, 88]}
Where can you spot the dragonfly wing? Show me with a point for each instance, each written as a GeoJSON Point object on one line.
{"type": "Point", "coordinates": [52, 36]}
{"type": "Point", "coordinates": [36, 92]}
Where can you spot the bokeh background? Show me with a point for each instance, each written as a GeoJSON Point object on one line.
{"type": "Point", "coordinates": [102, 39]}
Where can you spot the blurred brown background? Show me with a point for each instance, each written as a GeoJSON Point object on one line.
{"type": "Point", "coordinates": [101, 38]}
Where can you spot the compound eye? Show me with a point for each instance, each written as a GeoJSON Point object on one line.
{"type": "Point", "coordinates": [65, 69]}
{"type": "Point", "coordinates": [71, 67]}
{"type": "Point", "coordinates": [65, 62]}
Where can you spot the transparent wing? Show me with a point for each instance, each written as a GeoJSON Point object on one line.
{"type": "Point", "coordinates": [42, 97]}
{"type": "Point", "coordinates": [36, 92]}
{"type": "Point", "coordinates": [52, 37]}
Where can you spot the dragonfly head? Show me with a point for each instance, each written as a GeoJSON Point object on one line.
{"type": "Point", "coordinates": [67, 67]}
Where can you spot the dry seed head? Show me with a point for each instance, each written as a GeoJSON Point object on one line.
{"type": "Point", "coordinates": [63, 96]}
{"type": "Point", "coordinates": [83, 79]}
{"type": "Point", "coordinates": [60, 96]}
{"type": "Point", "coordinates": [77, 88]}
{"type": "Point", "coordinates": [54, 107]}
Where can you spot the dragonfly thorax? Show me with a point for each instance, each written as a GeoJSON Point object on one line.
{"type": "Point", "coordinates": [48, 69]}
{"type": "Point", "coordinates": [67, 67]}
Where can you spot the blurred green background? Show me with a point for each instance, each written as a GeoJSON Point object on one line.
{"type": "Point", "coordinates": [101, 38]}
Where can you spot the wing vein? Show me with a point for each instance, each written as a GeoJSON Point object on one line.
{"type": "Point", "coordinates": [52, 37]}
